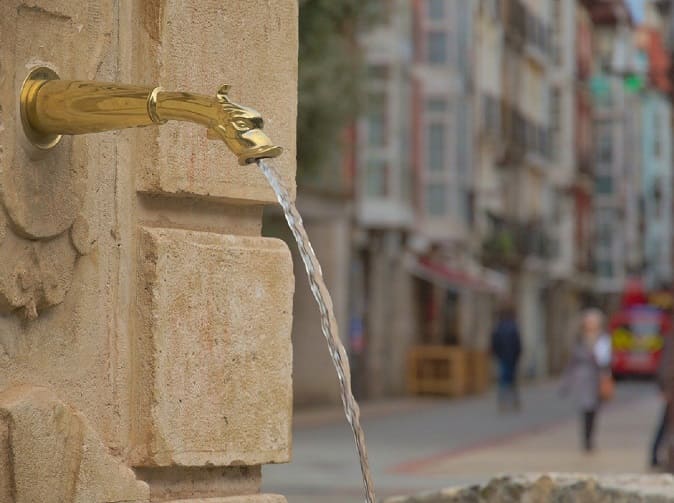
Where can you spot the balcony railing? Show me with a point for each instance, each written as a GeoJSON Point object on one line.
{"type": "Point", "coordinates": [515, 21]}
{"type": "Point", "coordinates": [539, 141]}
{"type": "Point", "coordinates": [585, 163]}
{"type": "Point", "coordinates": [509, 243]}
{"type": "Point", "coordinates": [490, 117]}
{"type": "Point", "coordinates": [521, 135]}
{"type": "Point", "coordinates": [522, 26]}
{"type": "Point", "coordinates": [537, 34]}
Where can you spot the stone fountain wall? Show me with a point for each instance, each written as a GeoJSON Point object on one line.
{"type": "Point", "coordinates": [144, 323]}
{"type": "Point", "coordinates": [555, 487]}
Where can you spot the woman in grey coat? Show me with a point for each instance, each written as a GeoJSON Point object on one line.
{"type": "Point", "coordinates": [590, 358]}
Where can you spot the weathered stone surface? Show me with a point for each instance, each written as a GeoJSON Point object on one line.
{"type": "Point", "coordinates": [581, 488]}
{"type": "Point", "coordinates": [50, 454]}
{"type": "Point", "coordinates": [214, 383]}
{"type": "Point", "coordinates": [5, 463]}
{"type": "Point", "coordinates": [42, 192]}
{"type": "Point", "coordinates": [35, 274]}
{"type": "Point", "coordinates": [251, 498]}
{"type": "Point", "coordinates": [69, 244]}
{"type": "Point", "coordinates": [169, 483]}
{"type": "Point", "coordinates": [223, 52]}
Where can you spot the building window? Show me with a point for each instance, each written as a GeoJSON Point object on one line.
{"type": "Point", "coordinates": [436, 105]}
{"type": "Point", "coordinates": [382, 9]}
{"type": "Point", "coordinates": [605, 236]}
{"type": "Point", "coordinates": [406, 182]}
{"type": "Point", "coordinates": [436, 203]}
{"type": "Point", "coordinates": [464, 146]}
{"type": "Point", "coordinates": [435, 153]}
{"type": "Point", "coordinates": [657, 146]}
{"type": "Point", "coordinates": [657, 197]}
{"type": "Point", "coordinates": [436, 45]}
{"type": "Point", "coordinates": [557, 31]}
{"type": "Point", "coordinates": [493, 8]}
{"type": "Point", "coordinates": [461, 40]}
{"type": "Point", "coordinates": [530, 136]}
{"type": "Point", "coordinates": [376, 175]}
{"type": "Point", "coordinates": [604, 185]}
{"type": "Point", "coordinates": [491, 115]}
{"type": "Point", "coordinates": [435, 9]}
{"type": "Point", "coordinates": [404, 165]}
{"type": "Point", "coordinates": [555, 122]}
{"type": "Point", "coordinates": [377, 72]}
{"type": "Point", "coordinates": [555, 109]}
{"type": "Point", "coordinates": [376, 120]}
{"type": "Point", "coordinates": [540, 140]}
{"type": "Point", "coordinates": [605, 146]}
{"type": "Point", "coordinates": [604, 216]}
{"type": "Point", "coordinates": [605, 269]}
{"type": "Point", "coordinates": [468, 206]}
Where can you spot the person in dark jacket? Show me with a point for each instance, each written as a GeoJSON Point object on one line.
{"type": "Point", "coordinates": [664, 378]}
{"type": "Point", "coordinates": [506, 346]}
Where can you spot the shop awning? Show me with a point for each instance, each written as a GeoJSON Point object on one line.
{"type": "Point", "coordinates": [452, 278]}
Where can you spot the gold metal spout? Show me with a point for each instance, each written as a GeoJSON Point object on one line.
{"type": "Point", "coordinates": [51, 107]}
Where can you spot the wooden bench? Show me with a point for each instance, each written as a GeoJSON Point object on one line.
{"type": "Point", "coordinates": [479, 371]}
{"type": "Point", "coordinates": [439, 370]}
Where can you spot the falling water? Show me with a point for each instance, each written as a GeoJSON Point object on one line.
{"type": "Point", "coordinates": [328, 321]}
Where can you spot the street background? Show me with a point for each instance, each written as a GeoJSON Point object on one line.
{"type": "Point", "coordinates": [456, 157]}
{"type": "Point", "coordinates": [418, 445]}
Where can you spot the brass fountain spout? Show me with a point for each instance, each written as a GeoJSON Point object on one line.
{"type": "Point", "coordinates": [51, 107]}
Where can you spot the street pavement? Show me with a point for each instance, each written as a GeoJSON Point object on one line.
{"type": "Point", "coordinates": [426, 444]}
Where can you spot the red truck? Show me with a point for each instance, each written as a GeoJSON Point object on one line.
{"type": "Point", "coordinates": [638, 330]}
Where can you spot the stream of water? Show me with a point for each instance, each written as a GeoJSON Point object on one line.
{"type": "Point", "coordinates": [328, 320]}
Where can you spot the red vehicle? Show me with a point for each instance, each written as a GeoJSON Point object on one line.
{"type": "Point", "coordinates": [638, 331]}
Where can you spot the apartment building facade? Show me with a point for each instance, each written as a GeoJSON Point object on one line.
{"type": "Point", "coordinates": [415, 276]}
{"type": "Point", "coordinates": [381, 311]}
{"type": "Point", "coordinates": [519, 195]}
{"type": "Point", "coordinates": [656, 151]}
{"type": "Point", "coordinates": [499, 158]}
{"type": "Point", "coordinates": [633, 160]}
{"type": "Point", "coordinates": [616, 113]}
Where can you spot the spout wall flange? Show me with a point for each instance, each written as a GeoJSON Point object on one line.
{"type": "Point", "coordinates": [31, 86]}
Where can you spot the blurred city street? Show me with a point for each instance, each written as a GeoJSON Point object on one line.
{"type": "Point", "coordinates": [458, 214]}
{"type": "Point", "coordinates": [497, 204]}
{"type": "Point", "coordinates": [426, 444]}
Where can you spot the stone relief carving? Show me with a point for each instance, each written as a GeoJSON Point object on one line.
{"type": "Point", "coordinates": [42, 228]}
{"type": "Point", "coordinates": [49, 453]}
{"type": "Point", "coordinates": [41, 233]}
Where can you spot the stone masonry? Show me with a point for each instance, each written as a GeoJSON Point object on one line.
{"type": "Point", "coordinates": [144, 322]}
{"type": "Point", "coordinates": [557, 488]}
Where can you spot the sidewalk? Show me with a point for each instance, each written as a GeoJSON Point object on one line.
{"type": "Point", "coordinates": [420, 444]}
{"type": "Point", "coordinates": [623, 433]}
{"type": "Point", "coordinates": [323, 416]}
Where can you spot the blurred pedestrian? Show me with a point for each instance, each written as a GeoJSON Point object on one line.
{"type": "Point", "coordinates": [587, 377]}
{"type": "Point", "coordinates": [506, 346]}
{"type": "Point", "coordinates": [664, 378]}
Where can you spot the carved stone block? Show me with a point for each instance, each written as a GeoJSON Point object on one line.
{"type": "Point", "coordinates": [42, 192]}
{"type": "Point", "coordinates": [178, 159]}
{"type": "Point", "coordinates": [50, 454]}
{"type": "Point", "coordinates": [251, 498]}
{"type": "Point", "coordinates": [213, 382]}
{"type": "Point", "coordinates": [172, 386]}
